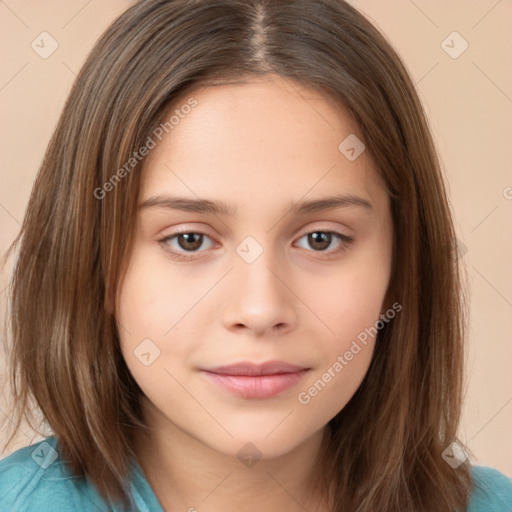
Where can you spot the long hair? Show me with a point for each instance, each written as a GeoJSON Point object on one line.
{"type": "Point", "coordinates": [385, 452]}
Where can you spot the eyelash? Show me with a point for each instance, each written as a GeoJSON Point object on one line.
{"type": "Point", "coordinates": [345, 240]}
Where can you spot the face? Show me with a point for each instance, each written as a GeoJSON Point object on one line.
{"type": "Point", "coordinates": [261, 245]}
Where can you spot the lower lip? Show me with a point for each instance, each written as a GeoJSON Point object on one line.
{"type": "Point", "coordinates": [261, 386]}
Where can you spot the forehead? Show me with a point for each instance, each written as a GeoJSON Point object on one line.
{"type": "Point", "coordinates": [264, 105]}
{"type": "Point", "coordinates": [257, 140]}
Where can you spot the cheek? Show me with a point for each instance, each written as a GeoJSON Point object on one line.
{"type": "Point", "coordinates": [350, 304]}
{"type": "Point", "coordinates": [146, 312]}
{"type": "Point", "coordinates": [157, 315]}
{"type": "Point", "coordinates": [350, 301]}
{"type": "Point", "coordinates": [328, 392]}
{"type": "Point", "coordinates": [154, 299]}
{"type": "Point", "coordinates": [347, 354]}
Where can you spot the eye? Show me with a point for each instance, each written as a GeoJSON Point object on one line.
{"type": "Point", "coordinates": [321, 241]}
{"type": "Point", "coordinates": [183, 244]}
{"type": "Point", "coordinates": [179, 244]}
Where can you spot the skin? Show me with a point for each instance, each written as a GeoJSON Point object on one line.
{"type": "Point", "coordinates": [260, 147]}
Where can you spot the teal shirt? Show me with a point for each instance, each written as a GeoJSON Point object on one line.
{"type": "Point", "coordinates": [34, 479]}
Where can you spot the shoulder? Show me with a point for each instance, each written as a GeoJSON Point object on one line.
{"type": "Point", "coordinates": [491, 491]}
{"type": "Point", "coordinates": [36, 478]}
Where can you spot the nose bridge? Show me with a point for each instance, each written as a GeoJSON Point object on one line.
{"type": "Point", "coordinates": [259, 299]}
{"type": "Point", "coordinates": [256, 269]}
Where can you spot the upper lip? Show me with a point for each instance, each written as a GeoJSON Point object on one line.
{"type": "Point", "coordinates": [254, 369]}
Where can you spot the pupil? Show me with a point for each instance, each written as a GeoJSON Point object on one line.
{"type": "Point", "coordinates": [189, 238]}
{"type": "Point", "coordinates": [319, 240]}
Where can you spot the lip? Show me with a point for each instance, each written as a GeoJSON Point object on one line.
{"type": "Point", "coordinates": [251, 380]}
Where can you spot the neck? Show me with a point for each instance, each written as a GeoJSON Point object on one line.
{"type": "Point", "coordinates": [186, 474]}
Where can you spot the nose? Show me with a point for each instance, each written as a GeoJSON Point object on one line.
{"type": "Point", "coordinates": [259, 301]}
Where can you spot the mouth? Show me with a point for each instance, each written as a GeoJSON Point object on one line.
{"type": "Point", "coordinates": [250, 380]}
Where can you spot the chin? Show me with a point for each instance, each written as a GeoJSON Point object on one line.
{"type": "Point", "coordinates": [258, 443]}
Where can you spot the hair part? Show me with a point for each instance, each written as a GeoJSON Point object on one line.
{"type": "Point", "coordinates": [384, 451]}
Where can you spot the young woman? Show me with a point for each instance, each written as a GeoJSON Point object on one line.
{"type": "Point", "coordinates": [236, 286]}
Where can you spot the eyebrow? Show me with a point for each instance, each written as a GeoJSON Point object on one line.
{"type": "Point", "coordinates": [222, 208]}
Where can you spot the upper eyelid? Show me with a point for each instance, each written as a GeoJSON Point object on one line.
{"type": "Point", "coordinates": [203, 231]}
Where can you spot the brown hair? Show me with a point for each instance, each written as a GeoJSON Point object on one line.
{"type": "Point", "coordinates": [386, 445]}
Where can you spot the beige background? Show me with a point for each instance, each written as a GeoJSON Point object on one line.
{"type": "Point", "coordinates": [468, 100]}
